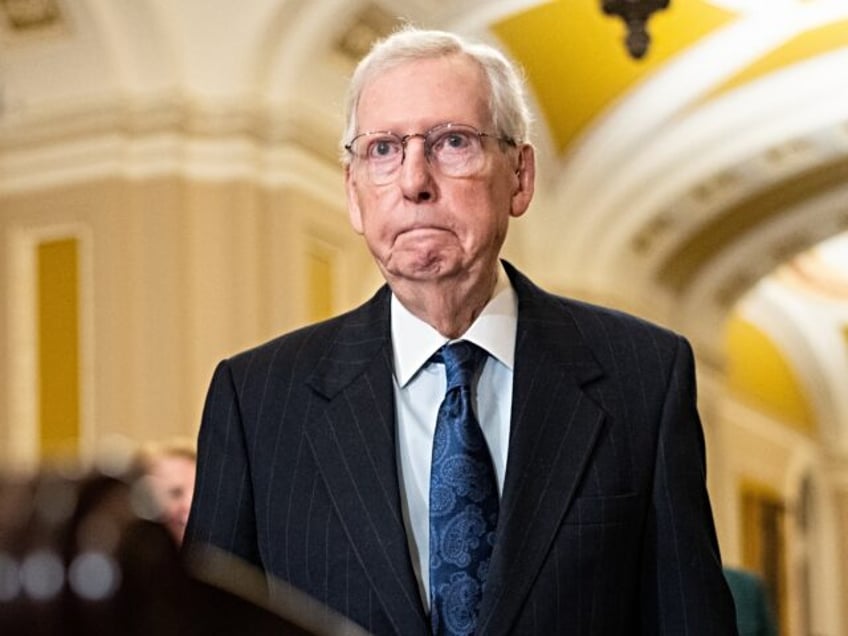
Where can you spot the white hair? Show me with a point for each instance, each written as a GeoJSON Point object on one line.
{"type": "Point", "coordinates": [507, 102]}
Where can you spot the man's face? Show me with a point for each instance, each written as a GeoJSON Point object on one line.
{"type": "Point", "coordinates": [423, 225]}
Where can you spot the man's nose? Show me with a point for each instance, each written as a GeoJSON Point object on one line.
{"type": "Point", "coordinates": [416, 175]}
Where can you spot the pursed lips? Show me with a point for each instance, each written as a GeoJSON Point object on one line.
{"type": "Point", "coordinates": [423, 229]}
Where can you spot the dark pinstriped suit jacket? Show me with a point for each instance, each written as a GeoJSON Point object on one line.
{"type": "Point", "coordinates": [605, 524]}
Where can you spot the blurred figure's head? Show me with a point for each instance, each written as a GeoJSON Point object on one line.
{"type": "Point", "coordinates": [168, 470]}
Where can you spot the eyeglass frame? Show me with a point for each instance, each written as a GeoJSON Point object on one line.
{"type": "Point", "coordinates": [404, 139]}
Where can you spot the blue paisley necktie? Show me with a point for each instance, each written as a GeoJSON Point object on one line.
{"type": "Point", "coordinates": [463, 499]}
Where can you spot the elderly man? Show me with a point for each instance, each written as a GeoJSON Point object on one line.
{"type": "Point", "coordinates": [464, 453]}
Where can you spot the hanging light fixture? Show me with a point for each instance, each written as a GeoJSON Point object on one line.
{"type": "Point", "coordinates": [635, 14]}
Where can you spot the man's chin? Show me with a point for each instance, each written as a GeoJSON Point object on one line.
{"type": "Point", "coordinates": [422, 267]}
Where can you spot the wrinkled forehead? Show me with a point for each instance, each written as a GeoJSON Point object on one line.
{"type": "Point", "coordinates": [450, 87]}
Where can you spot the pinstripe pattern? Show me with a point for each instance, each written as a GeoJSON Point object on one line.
{"type": "Point", "coordinates": [605, 524]}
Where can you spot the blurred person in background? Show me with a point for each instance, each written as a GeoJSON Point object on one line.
{"type": "Point", "coordinates": [168, 469]}
{"type": "Point", "coordinates": [754, 610]}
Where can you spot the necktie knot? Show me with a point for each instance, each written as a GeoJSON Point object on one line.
{"type": "Point", "coordinates": [462, 360]}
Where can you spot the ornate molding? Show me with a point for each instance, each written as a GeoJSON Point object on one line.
{"type": "Point", "coordinates": [160, 135]}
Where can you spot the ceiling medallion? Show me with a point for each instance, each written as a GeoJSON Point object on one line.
{"type": "Point", "coordinates": [635, 14]}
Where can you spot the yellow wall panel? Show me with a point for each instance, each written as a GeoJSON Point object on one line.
{"type": "Point", "coordinates": [321, 274]}
{"type": "Point", "coordinates": [58, 348]}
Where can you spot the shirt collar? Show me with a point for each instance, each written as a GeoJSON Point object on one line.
{"type": "Point", "coordinates": [414, 341]}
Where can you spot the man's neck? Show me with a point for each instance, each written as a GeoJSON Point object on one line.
{"type": "Point", "coordinates": [449, 306]}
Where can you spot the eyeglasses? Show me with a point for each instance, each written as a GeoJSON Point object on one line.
{"type": "Point", "coordinates": [456, 150]}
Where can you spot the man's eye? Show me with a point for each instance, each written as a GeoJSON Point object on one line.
{"type": "Point", "coordinates": [383, 148]}
{"type": "Point", "coordinates": [457, 140]}
{"type": "Point", "coordinates": [452, 141]}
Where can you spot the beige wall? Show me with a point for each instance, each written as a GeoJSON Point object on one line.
{"type": "Point", "coordinates": [175, 274]}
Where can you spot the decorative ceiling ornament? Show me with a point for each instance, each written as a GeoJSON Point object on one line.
{"type": "Point", "coordinates": [635, 14]}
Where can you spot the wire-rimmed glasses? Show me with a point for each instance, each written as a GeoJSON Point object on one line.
{"type": "Point", "coordinates": [456, 150]}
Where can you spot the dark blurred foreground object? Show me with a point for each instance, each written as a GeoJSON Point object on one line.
{"type": "Point", "coordinates": [79, 556]}
{"type": "Point", "coordinates": [754, 616]}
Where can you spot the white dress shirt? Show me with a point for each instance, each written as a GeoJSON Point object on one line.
{"type": "Point", "coordinates": [419, 389]}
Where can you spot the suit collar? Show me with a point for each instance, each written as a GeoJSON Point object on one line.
{"type": "Point", "coordinates": [547, 321]}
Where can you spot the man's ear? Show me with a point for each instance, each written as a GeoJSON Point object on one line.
{"type": "Point", "coordinates": [525, 176]}
{"type": "Point", "coordinates": [353, 209]}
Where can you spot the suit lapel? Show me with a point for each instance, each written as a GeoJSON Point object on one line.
{"type": "Point", "coordinates": [355, 450]}
{"type": "Point", "coordinates": [554, 427]}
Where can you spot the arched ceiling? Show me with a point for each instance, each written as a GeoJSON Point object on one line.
{"type": "Point", "coordinates": [670, 186]}
{"type": "Point", "coordinates": [555, 40]}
